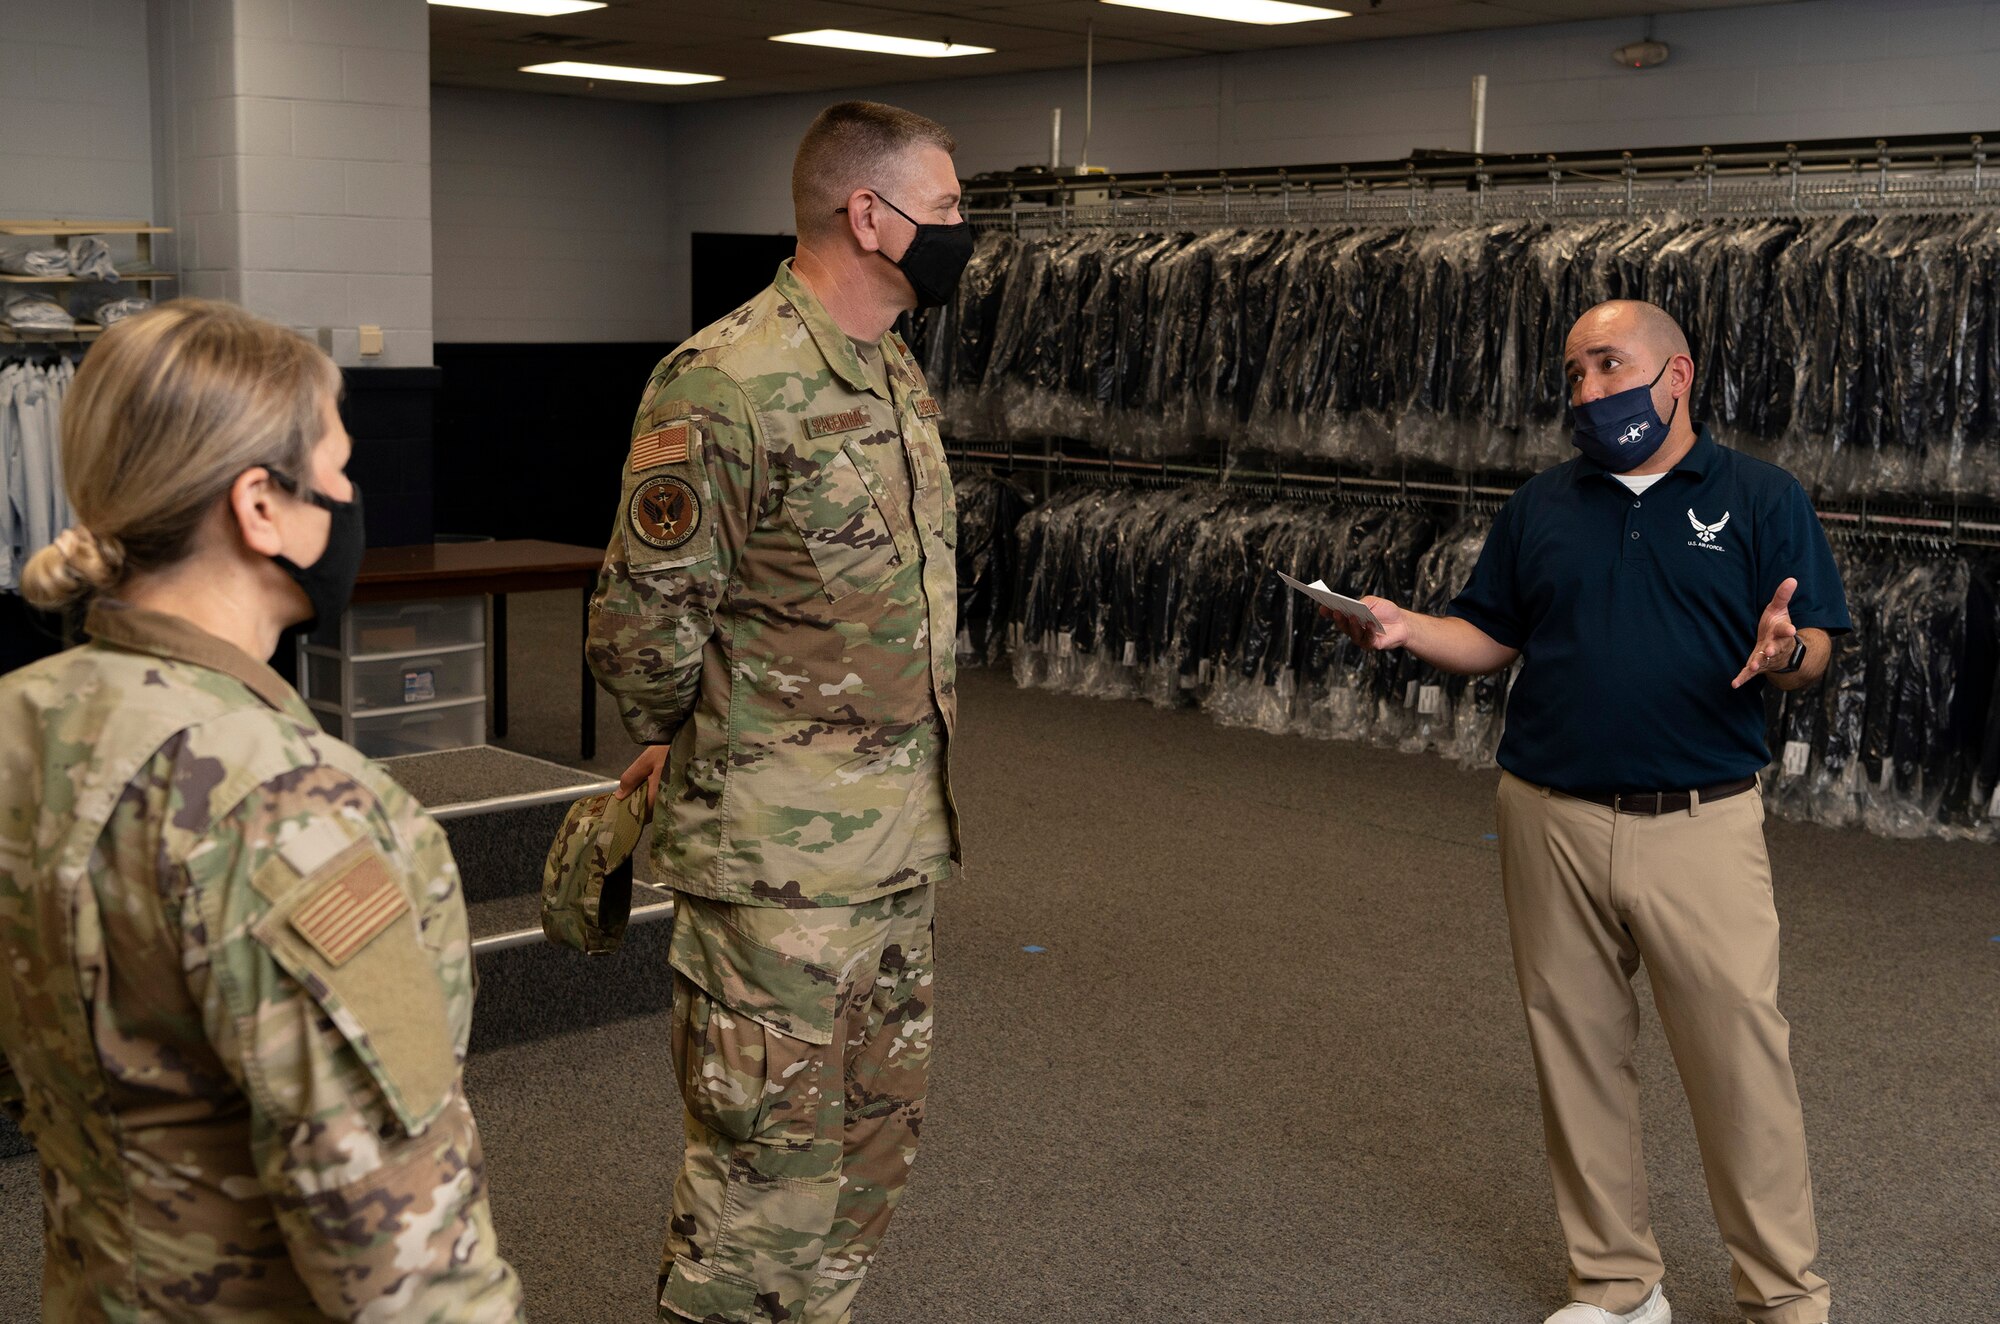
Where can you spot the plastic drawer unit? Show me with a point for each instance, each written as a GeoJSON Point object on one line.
{"type": "Point", "coordinates": [400, 677]}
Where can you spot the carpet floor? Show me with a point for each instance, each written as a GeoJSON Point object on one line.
{"type": "Point", "coordinates": [1228, 1032]}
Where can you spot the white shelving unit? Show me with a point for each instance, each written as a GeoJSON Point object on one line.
{"type": "Point", "coordinates": [61, 232]}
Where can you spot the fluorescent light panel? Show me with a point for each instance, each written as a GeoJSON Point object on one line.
{"type": "Point", "coordinates": [536, 8]}
{"type": "Point", "coordinates": [877, 44]}
{"type": "Point", "coordinates": [619, 73]}
{"type": "Point", "coordinates": [1238, 11]}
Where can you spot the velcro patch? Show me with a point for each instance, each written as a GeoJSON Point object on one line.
{"type": "Point", "coordinates": [351, 909]}
{"type": "Point", "coordinates": [667, 445]}
{"type": "Point", "coordinates": [827, 425]}
{"type": "Point", "coordinates": [664, 512]}
{"type": "Point", "coordinates": [928, 407]}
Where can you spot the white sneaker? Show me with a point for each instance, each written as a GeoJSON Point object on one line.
{"type": "Point", "coordinates": [1653, 1310]}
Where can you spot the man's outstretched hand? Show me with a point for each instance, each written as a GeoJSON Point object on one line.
{"type": "Point", "coordinates": [1395, 631]}
{"type": "Point", "coordinates": [1777, 637]}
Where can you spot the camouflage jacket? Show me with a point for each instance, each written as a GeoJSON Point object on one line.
{"type": "Point", "coordinates": [236, 993]}
{"type": "Point", "coordinates": [779, 601]}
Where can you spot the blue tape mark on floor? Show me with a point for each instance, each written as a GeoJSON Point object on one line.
{"type": "Point", "coordinates": [1039, 950]}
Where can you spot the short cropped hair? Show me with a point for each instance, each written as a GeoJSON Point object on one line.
{"type": "Point", "coordinates": [855, 144]}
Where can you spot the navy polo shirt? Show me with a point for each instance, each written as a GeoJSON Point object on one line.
{"type": "Point", "coordinates": [1634, 612]}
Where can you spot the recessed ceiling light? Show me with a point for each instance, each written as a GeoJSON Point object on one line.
{"type": "Point", "coordinates": [620, 73]}
{"type": "Point", "coordinates": [880, 45]}
{"type": "Point", "coordinates": [538, 8]}
{"type": "Point", "coordinates": [1238, 11]}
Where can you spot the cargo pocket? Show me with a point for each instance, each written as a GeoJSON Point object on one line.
{"type": "Point", "coordinates": [843, 529]}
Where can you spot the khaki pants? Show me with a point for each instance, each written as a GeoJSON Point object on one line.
{"type": "Point", "coordinates": [1590, 896]}
{"type": "Point", "coordinates": [802, 1042]}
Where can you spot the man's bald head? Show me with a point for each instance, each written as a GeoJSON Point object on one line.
{"type": "Point", "coordinates": [1634, 321]}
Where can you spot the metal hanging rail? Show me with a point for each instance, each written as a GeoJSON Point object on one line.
{"type": "Point", "coordinates": [1954, 524]}
{"type": "Point", "coordinates": [1856, 174]}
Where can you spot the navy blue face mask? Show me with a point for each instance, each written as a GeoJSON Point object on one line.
{"type": "Point", "coordinates": [1622, 431]}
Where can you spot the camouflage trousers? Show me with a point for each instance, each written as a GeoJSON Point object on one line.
{"type": "Point", "coordinates": [802, 1043]}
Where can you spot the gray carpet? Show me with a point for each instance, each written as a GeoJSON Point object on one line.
{"type": "Point", "coordinates": [1269, 1065]}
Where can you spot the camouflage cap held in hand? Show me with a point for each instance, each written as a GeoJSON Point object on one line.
{"type": "Point", "coordinates": [587, 879]}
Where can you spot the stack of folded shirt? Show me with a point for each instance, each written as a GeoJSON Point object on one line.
{"type": "Point", "coordinates": [36, 262]}
{"type": "Point", "coordinates": [34, 310]}
{"type": "Point", "coordinates": [115, 310]}
{"type": "Point", "coordinates": [90, 257]}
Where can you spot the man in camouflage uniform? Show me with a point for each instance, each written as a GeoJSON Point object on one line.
{"type": "Point", "coordinates": [236, 998]}
{"type": "Point", "coordinates": [776, 617]}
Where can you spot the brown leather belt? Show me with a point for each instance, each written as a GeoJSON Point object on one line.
{"type": "Point", "coordinates": [1654, 803]}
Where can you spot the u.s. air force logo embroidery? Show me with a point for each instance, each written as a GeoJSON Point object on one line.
{"type": "Point", "coordinates": [664, 512]}
{"type": "Point", "coordinates": [1630, 436]}
{"type": "Point", "coordinates": [1705, 534]}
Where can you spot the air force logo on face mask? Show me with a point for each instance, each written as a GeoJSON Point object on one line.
{"type": "Point", "coordinates": [1630, 436]}
{"type": "Point", "coordinates": [1706, 534]}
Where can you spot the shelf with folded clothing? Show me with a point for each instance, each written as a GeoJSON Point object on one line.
{"type": "Point", "coordinates": [81, 333]}
{"type": "Point", "coordinates": [134, 276]}
{"type": "Point", "coordinates": [74, 253]}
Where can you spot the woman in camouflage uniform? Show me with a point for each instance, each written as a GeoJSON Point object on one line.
{"type": "Point", "coordinates": [235, 979]}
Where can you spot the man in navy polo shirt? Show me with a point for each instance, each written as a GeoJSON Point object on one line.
{"type": "Point", "coordinates": [1631, 582]}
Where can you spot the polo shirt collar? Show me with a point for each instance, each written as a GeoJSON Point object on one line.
{"type": "Point", "coordinates": [834, 344]}
{"type": "Point", "coordinates": [121, 625]}
{"type": "Point", "coordinates": [1698, 461]}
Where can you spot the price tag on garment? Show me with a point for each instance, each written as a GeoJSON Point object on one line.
{"type": "Point", "coordinates": [1202, 674]}
{"type": "Point", "coordinates": [1066, 641]}
{"type": "Point", "coordinates": [1430, 700]}
{"type": "Point", "coordinates": [1888, 772]}
{"type": "Point", "coordinates": [1797, 754]}
{"type": "Point", "coordinates": [1131, 652]}
{"type": "Point", "coordinates": [965, 643]}
{"type": "Point", "coordinates": [1993, 807]}
{"type": "Point", "coordinates": [1410, 695]}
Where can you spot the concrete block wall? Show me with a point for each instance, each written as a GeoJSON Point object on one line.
{"type": "Point", "coordinates": [1823, 68]}
{"type": "Point", "coordinates": [75, 124]}
{"type": "Point", "coordinates": [299, 132]}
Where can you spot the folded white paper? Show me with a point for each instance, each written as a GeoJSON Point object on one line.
{"type": "Point", "coordinates": [1336, 602]}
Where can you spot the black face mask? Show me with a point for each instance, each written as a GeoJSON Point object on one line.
{"type": "Point", "coordinates": [328, 583]}
{"type": "Point", "coordinates": [935, 259]}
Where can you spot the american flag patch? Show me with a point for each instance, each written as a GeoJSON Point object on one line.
{"type": "Point", "coordinates": [928, 407]}
{"type": "Point", "coordinates": [667, 445]}
{"type": "Point", "coordinates": [345, 915]}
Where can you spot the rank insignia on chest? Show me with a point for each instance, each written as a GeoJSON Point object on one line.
{"type": "Point", "coordinates": [828, 425]}
{"type": "Point", "coordinates": [667, 445]}
{"type": "Point", "coordinates": [928, 407]}
{"type": "Point", "coordinates": [664, 512]}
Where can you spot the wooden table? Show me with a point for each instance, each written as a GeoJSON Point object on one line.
{"type": "Point", "coordinates": [490, 569]}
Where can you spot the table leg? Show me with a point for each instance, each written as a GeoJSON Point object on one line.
{"type": "Point", "coordinates": [498, 710]}
{"type": "Point", "coordinates": [589, 734]}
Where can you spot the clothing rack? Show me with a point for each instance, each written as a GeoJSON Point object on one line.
{"type": "Point", "coordinates": [1948, 524]}
{"type": "Point", "coordinates": [1877, 174]}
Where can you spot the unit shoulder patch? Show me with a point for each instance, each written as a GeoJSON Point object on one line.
{"type": "Point", "coordinates": [351, 909]}
{"type": "Point", "coordinates": [662, 446]}
{"type": "Point", "coordinates": [829, 425]}
{"type": "Point", "coordinates": [664, 512]}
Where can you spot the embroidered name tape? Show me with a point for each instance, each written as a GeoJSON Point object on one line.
{"type": "Point", "coordinates": [349, 912]}
{"type": "Point", "coordinates": [827, 425]}
{"type": "Point", "coordinates": [668, 445]}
